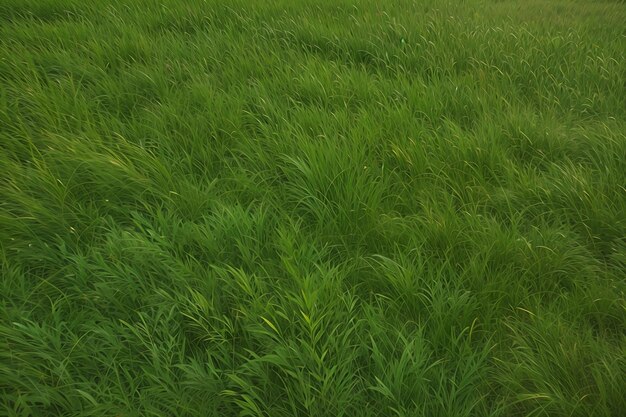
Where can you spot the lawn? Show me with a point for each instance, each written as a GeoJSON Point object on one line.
{"type": "Point", "coordinates": [297, 208]}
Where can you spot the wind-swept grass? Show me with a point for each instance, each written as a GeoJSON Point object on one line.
{"type": "Point", "coordinates": [296, 208]}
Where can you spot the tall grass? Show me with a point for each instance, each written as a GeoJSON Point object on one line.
{"type": "Point", "coordinates": [411, 208]}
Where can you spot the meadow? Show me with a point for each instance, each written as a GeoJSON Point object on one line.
{"type": "Point", "coordinates": [297, 208]}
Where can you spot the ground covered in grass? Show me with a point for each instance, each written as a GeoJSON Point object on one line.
{"type": "Point", "coordinates": [289, 208]}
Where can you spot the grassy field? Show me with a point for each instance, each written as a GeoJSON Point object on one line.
{"type": "Point", "coordinates": [333, 208]}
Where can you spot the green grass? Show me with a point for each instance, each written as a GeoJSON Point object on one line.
{"type": "Point", "coordinates": [290, 208]}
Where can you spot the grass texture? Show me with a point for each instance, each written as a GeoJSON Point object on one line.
{"type": "Point", "coordinates": [289, 208]}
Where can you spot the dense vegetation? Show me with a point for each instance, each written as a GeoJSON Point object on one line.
{"type": "Point", "coordinates": [333, 208]}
